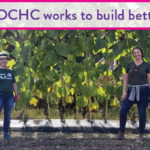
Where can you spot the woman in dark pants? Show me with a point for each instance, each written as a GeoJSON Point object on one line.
{"type": "Point", "coordinates": [135, 90]}
{"type": "Point", "coordinates": [7, 86]}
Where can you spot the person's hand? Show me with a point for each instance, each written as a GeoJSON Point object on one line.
{"type": "Point", "coordinates": [124, 95]}
{"type": "Point", "coordinates": [16, 97]}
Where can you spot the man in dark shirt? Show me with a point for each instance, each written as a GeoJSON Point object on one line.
{"type": "Point", "coordinates": [7, 86]}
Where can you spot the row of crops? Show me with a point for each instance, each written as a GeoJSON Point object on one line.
{"type": "Point", "coordinates": [71, 69]}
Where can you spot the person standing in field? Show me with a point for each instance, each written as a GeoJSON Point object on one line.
{"type": "Point", "coordinates": [135, 90]}
{"type": "Point", "coordinates": [7, 86]}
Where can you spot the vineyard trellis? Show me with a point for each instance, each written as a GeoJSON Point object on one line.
{"type": "Point", "coordinates": [71, 68]}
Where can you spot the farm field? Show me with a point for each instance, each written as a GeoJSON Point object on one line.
{"type": "Point", "coordinates": [71, 74]}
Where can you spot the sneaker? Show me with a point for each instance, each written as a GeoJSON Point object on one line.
{"type": "Point", "coordinates": [6, 136]}
{"type": "Point", "coordinates": [119, 136]}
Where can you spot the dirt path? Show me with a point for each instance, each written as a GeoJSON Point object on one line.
{"type": "Point", "coordinates": [71, 141]}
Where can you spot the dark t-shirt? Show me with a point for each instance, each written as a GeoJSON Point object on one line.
{"type": "Point", "coordinates": [6, 81]}
{"type": "Point", "coordinates": [137, 74]}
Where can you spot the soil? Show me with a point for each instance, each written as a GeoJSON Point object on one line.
{"type": "Point", "coordinates": [71, 141]}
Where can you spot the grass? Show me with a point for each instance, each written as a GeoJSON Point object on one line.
{"type": "Point", "coordinates": [35, 113]}
{"type": "Point", "coordinates": [39, 114]}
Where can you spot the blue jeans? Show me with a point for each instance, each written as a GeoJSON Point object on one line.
{"type": "Point", "coordinates": [141, 105]}
{"type": "Point", "coordinates": [7, 102]}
